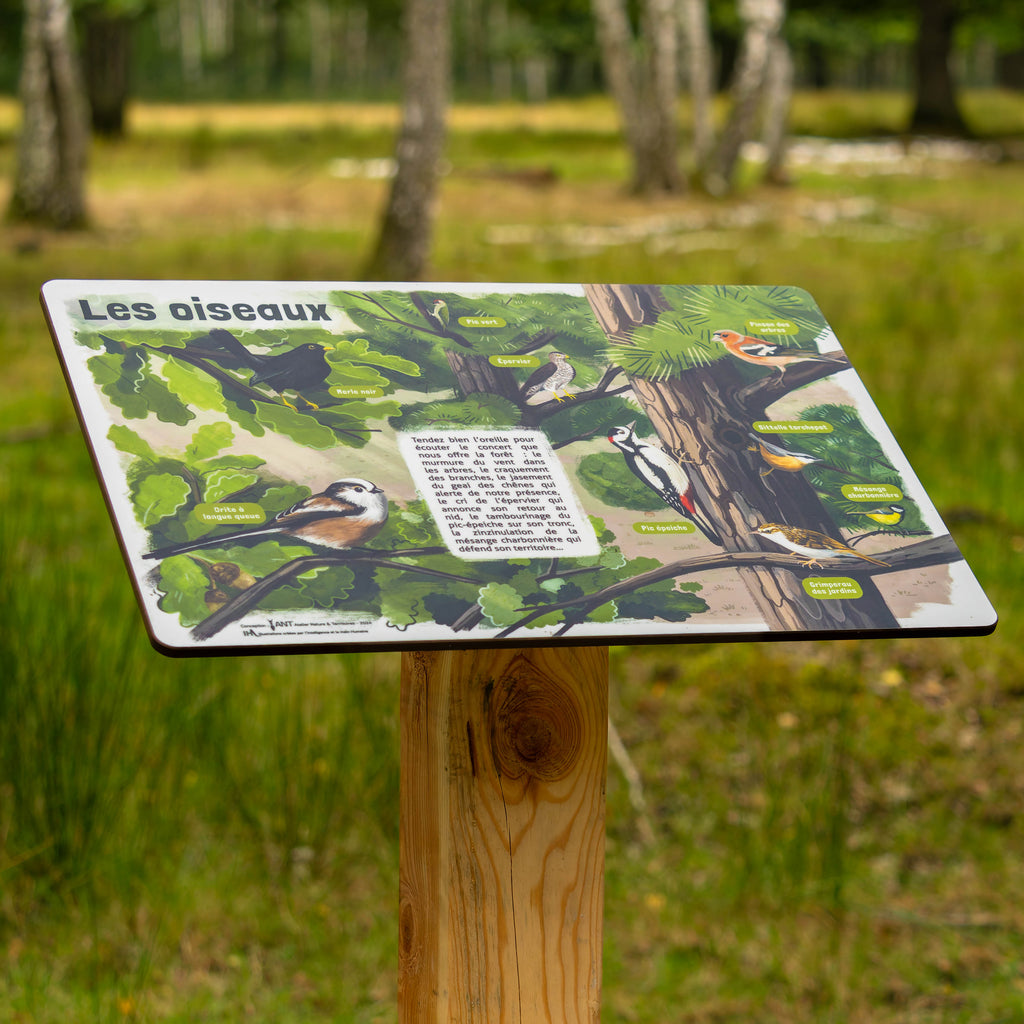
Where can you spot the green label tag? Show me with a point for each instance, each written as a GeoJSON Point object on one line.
{"type": "Point", "coordinates": [871, 492]}
{"type": "Point", "coordinates": [763, 327]}
{"type": "Point", "coordinates": [682, 526]}
{"type": "Point", "coordinates": [355, 391]}
{"type": "Point", "coordinates": [481, 321]}
{"type": "Point", "coordinates": [247, 512]}
{"type": "Point", "coordinates": [514, 361]}
{"type": "Point", "coordinates": [792, 427]}
{"type": "Point", "coordinates": [832, 588]}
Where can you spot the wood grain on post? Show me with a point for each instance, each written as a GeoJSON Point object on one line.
{"type": "Point", "coordinates": [504, 759]}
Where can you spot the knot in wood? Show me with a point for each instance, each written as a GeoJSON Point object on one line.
{"type": "Point", "coordinates": [536, 729]}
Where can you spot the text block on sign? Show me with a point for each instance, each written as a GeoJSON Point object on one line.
{"type": "Point", "coordinates": [498, 494]}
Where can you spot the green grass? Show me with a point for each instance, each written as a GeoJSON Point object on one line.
{"type": "Point", "coordinates": [837, 829]}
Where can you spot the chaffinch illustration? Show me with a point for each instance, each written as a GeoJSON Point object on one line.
{"type": "Point", "coordinates": [767, 353]}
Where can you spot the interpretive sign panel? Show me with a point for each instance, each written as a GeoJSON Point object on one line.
{"type": "Point", "coordinates": [324, 465]}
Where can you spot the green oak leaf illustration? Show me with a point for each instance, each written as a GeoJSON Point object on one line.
{"type": "Point", "coordinates": [160, 495]}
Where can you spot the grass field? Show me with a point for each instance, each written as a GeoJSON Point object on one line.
{"type": "Point", "coordinates": [834, 832]}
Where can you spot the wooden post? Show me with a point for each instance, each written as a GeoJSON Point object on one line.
{"type": "Point", "coordinates": [504, 760]}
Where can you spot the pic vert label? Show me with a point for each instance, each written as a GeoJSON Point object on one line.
{"type": "Point", "coordinates": [871, 492]}
{"type": "Point", "coordinates": [832, 588]}
{"type": "Point", "coordinates": [481, 321]}
{"type": "Point", "coordinates": [247, 512]}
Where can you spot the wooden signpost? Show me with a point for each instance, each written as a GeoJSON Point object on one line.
{"type": "Point", "coordinates": [499, 481]}
{"type": "Point", "coordinates": [504, 757]}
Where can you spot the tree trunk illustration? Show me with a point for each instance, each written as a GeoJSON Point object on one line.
{"type": "Point", "coordinates": [701, 417]}
{"type": "Point", "coordinates": [475, 374]}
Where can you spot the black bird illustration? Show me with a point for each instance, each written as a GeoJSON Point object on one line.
{"type": "Point", "coordinates": [344, 515]}
{"type": "Point", "coordinates": [300, 368]}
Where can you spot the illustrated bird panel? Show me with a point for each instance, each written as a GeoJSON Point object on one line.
{"type": "Point", "coordinates": [810, 544]}
{"type": "Point", "coordinates": [775, 456]}
{"type": "Point", "coordinates": [556, 376]}
{"type": "Point", "coordinates": [346, 514]}
{"type": "Point", "coordinates": [768, 353]}
{"type": "Point", "coordinates": [886, 516]}
{"type": "Point", "coordinates": [302, 368]}
{"type": "Point", "coordinates": [656, 469]}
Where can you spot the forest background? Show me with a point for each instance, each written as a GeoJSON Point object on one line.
{"type": "Point", "coordinates": [797, 831]}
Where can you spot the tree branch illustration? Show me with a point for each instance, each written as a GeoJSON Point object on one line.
{"type": "Point", "coordinates": [934, 551]}
{"type": "Point", "coordinates": [758, 395]}
{"type": "Point", "coordinates": [534, 415]}
{"type": "Point", "coordinates": [228, 382]}
{"type": "Point", "coordinates": [290, 571]}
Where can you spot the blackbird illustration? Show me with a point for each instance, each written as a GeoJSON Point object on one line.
{"type": "Point", "coordinates": [810, 543]}
{"type": "Point", "coordinates": [767, 353]}
{"type": "Point", "coordinates": [555, 377]}
{"type": "Point", "coordinates": [346, 514]}
{"type": "Point", "coordinates": [777, 457]}
{"type": "Point", "coordinates": [657, 469]}
{"type": "Point", "coordinates": [298, 369]}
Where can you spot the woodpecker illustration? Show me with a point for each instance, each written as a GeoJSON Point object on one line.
{"type": "Point", "coordinates": [777, 457]}
{"type": "Point", "coordinates": [345, 515]}
{"type": "Point", "coordinates": [889, 515]}
{"type": "Point", "coordinates": [767, 353]}
{"type": "Point", "coordinates": [810, 543]}
{"type": "Point", "coordinates": [657, 469]}
{"type": "Point", "coordinates": [555, 377]}
{"type": "Point", "coordinates": [440, 314]}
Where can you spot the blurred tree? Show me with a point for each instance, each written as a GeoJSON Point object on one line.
{"type": "Point", "coordinates": [107, 28]}
{"type": "Point", "coordinates": [762, 44]}
{"type": "Point", "coordinates": [935, 103]}
{"type": "Point", "coordinates": [49, 176]}
{"type": "Point", "coordinates": [403, 245]}
{"type": "Point", "coordinates": [641, 67]}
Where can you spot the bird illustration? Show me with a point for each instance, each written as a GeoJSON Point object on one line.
{"type": "Point", "coordinates": [889, 515]}
{"type": "Point", "coordinates": [440, 314]}
{"type": "Point", "coordinates": [767, 353]}
{"type": "Point", "coordinates": [810, 543]}
{"type": "Point", "coordinates": [297, 369]}
{"type": "Point", "coordinates": [556, 376]}
{"type": "Point", "coordinates": [346, 514]}
{"type": "Point", "coordinates": [778, 457]}
{"type": "Point", "coordinates": [662, 474]}
{"type": "Point", "coordinates": [227, 580]}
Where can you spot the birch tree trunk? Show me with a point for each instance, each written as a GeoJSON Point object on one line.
{"type": "Point", "coordinates": [642, 72]}
{"type": "Point", "coordinates": [762, 21]}
{"type": "Point", "coordinates": [49, 181]}
{"type": "Point", "coordinates": [406, 231]}
{"type": "Point", "coordinates": [700, 73]}
{"type": "Point", "coordinates": [778, 95]}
